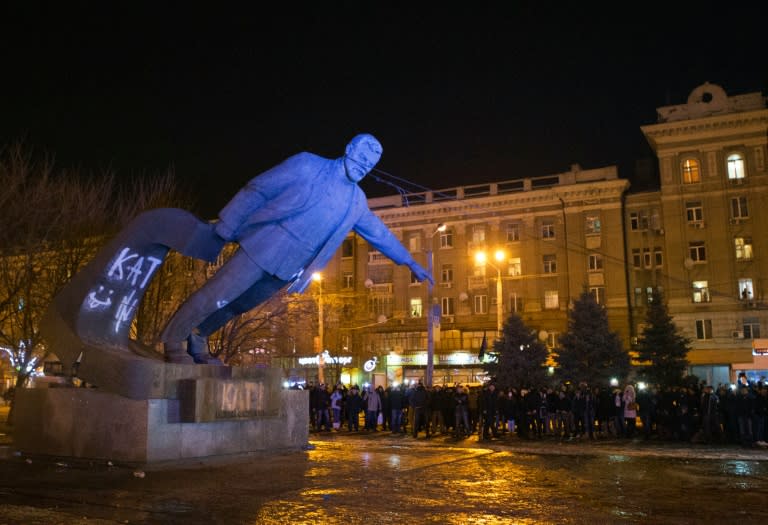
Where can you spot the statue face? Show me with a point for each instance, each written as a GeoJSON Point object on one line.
{"type": "Point", "coordinates": [362, 154]}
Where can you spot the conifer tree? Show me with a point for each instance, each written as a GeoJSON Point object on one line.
{"type": "Point", "coordinates": [589, 351]}
{"type": "Point", "coordinates": [518, 357]}
{"type": "Point", "coordinates": [661, 347]}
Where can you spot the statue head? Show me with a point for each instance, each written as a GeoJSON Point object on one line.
{"type": "Point", "coordinates": [361, 155]}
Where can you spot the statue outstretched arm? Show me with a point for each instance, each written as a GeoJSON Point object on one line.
{"type": "Point", "coordinates": [373, 230]}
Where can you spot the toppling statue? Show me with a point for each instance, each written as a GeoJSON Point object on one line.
{"type": "Point", "coordinates": [288, 222]}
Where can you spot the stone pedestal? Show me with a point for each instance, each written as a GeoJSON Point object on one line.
{"type": "Point", "coordinates": [209, 418]}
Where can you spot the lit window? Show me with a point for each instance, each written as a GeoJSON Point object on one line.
{"type": "Point", "coordinates": [514, 267]}
{"type": "Point", "coordinates": [550, 263]}
{"type": "Point", "coordinates": [735, 166]}
{"type": "Point", "coordinates": [743, 247]}
{"type": "Point", "coordinates": [703, 329]}
{"type": "Point", "coordinates": [481, 304]}
{"type": "Point", "coordinates": [700, 292]}
{"type": "Point", "coordinates": [691, 172]}
{"type": "Point", "coordinates": [697, 251]}
{"type": "Point", "coordinates": [746, 290]}
{"type": "Point", "coordinates": [417, 309]}
{"type": "Point", "coordinates": [348, 280]}
{"type": "Point", "coordinates": [551, 299]}
{"type": "Point", "coordinates": [414, 243]}
{"type": "Point", "coordinates": [593, 224]}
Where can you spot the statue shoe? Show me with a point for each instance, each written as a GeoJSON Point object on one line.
{"type": "Point", "coordinates": [197, 347]}
{"type": "Point", "coordinates": [177, 353]}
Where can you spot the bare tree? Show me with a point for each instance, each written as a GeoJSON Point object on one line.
{"type": "Point", "coordinates": [53, 223]}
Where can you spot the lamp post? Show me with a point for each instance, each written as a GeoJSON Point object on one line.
{"type": "Point", "coordinates": [319, 278]}
{"type": "Point", "coordinates": [482, 258]}
{"type": "Point", "coordinates": [433, 313]}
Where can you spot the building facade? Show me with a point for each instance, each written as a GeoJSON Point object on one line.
{"type": "Point", "coordinates": [698, 238]}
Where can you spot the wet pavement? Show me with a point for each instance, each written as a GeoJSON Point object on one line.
{"type": "Point", "coordinates": [378, 478]}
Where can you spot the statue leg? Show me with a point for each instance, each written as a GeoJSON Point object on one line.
{"type": "Point", "coordinates": [197, 343]}
{"type": "Point", "coordinates": [234, 278]}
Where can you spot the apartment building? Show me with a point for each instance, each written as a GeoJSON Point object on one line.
{"type": "Point", "coordinates": [698, 238]}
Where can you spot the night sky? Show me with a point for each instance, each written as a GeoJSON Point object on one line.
{"type": "Point", "coordinates": [456, 95]}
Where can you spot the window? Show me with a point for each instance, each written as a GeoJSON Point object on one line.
{"type": "Point", "coordinates": [514, 268]}
{"type": "Point", "coordinates": [516, 302]}
{"type": "Point", "coordinates": [739, 209]}
{"type": "Point", "coordinates": [743, 246]}
{"type": "Point", "coordinates": [694, 211]}
{"type": "Point", "coordinates": [348, 280]}
{"type": "Point", "coordinates": [513, 232]}
{"type": "Point", "coordinates": [691, 172]}
{"type": "Point", "coordinates": [380, 305]}
{"type": "Point", "coordinates": [703, 329]}
{"type": "Point", "coordinates": [735, 164]}
{"type": "Point", "coordinates": [478, 233]}
{"type": "Point", "coordinates": [446, 239]}
{"type": "Point", "coordinates": [638, 296]}
{"type": "Point", "coordinates": [592, 224]}
{"type": "Point", "coordinates": [550, 263]}
{"type": "Point", "coordinates": [598, 292]}
{"type": "Point", "coordinates": [647, 259]}
{"type": "Point", "coordinates": [447, 306]}
{"type": "Point", "coordinates": [658, 256]}
{"type": "Point", "coordinates": [551, 299]}
{"type": "Point", "coordinates": [637, 260]}
{"type": "Point", "coordinates": [552, 338]}
{"type": "Point", "coordinates": [638, 220]}
{"type": "Point", "coordinates": [347, 248]}
{"type": "Point", "coordinates": [481, 304]}
{"type": "Point", "coordinates": [747, 293]}
{"type": "Point", "coordinates": [417, 308]}
{"type": "Point", "coordinates": [696, 251]}
{"type": "Point", "coordinates": [414, 279]}
{"type": "Point", "coordinates": [446, 273]}
{"type": "Point", "coordinates": [414, 243]}
{"type": "Point", "coordinates": [547, 230]}
{"type": "Point", "coordinates": [700, 292]}
{"type": "Point", "coordinates": [751, 327]}
{"type": "Point", "coordinates": [595, 262]}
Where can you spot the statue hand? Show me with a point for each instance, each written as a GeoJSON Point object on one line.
{"type": "Point", "coordinates": [420, 273]}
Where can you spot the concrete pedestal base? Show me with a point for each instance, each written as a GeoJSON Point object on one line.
{"type": "Point", "coordinates": [91, 424]}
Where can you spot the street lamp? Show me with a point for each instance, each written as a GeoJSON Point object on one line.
{"type": "Point", "coordinates": [319, 278]}
{"type": "Point", "coordinates": [433, 310]}
{"type": "Point", "coordinates": [482, 258]}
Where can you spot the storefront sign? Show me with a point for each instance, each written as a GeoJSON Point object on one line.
{"type": "Point", "coordinates": [760, 347]}
{"type": "Point", "coordinates": [327, 358]}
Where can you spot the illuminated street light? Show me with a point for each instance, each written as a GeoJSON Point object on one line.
{"type": "Point", "coordinates": [500, 256]}
{"type": "Point", "coordinates": [433, 310]}
{"type": "Point", "coordinates": [319, 278]}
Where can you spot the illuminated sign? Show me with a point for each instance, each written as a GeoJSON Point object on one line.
{"type": "Point", "coordinates": [327, 358]}
{"type": "Point", "coordinates": [370, 365]}
{"type": "Point", "coordinates": [760, 347]}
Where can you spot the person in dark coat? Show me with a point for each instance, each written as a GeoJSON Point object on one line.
{"type": "Point", "coordinates": [418, 402]}
{"type": "Point", "coordinates": [354, 407]}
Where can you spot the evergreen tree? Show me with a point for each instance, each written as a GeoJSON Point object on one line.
{"type": "Point", "coordinates": [661, 346]}
{"type": "Point", "coordinates": [518, 357]}
{"type": "Point", "coordinates": [589, 351]}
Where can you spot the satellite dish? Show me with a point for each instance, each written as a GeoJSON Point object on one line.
{"type": "Point", "coordinates": [688, 263]}
{"type": "Point", "coordinates": [381, 319]}
{"type": "Point", "coordinates": [368, 283]}
{"type": "Point", "coordinates": [463, 296]}
{"type": "Point", "coordinates": [543, 334]}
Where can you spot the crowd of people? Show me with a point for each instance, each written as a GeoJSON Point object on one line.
{"type": "Point", "coordinates": [734, 414]}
